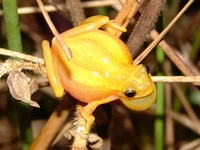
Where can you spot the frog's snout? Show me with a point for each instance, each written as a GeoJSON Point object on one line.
{"type": "Point", "coordinates": [140, 103]}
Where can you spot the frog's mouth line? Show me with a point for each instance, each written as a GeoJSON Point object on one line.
{"type": "Point", "coordinates": [140, 103]}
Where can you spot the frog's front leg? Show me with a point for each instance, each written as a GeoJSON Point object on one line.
{"type": "Point", "coordinates": [93, 23]}
{"type": "Point", "coordinates": [86, 112]}
{"type": "Point", "coordinates": [103, 22]}
{"type": "Point", "coordinates": [51, 70]}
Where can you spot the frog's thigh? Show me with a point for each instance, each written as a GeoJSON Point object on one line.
{"type": "Point", "coordinates": [87, 111]}
{"type": "Point", "coordinates": [52, 73]}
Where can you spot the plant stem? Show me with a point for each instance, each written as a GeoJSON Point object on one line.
{"type": "Point", "coordinates": [12, 25]}
{"type": "Point", "coordinates": [76, 11]}
{"type": "Point", "coordinates": [53, 125]}
{"type": "Point", "coordinates": [159, 122]}
{"type": "Point", "coordinates": [14, 43]}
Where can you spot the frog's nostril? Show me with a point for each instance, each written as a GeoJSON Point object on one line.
{"type": "Point", "coordinates": [130, 93]}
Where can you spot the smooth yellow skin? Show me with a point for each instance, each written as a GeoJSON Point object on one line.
{"type": "Point", "coordinates": [100, 70]}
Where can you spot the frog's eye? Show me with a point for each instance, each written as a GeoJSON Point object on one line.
{"type": "Point", "coordinates": [130, 93]}
{"type": "Point", "coordinates": [147, 68]}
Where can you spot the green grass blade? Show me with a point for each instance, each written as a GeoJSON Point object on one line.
{"type": "Point", "coordinates": [14, 43]}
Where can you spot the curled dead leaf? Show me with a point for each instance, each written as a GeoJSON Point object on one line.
{"type": "Point", "coordinates": [21, 87]}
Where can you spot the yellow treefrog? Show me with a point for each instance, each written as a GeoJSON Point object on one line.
{"type": "Point", "coordinates": [101, 69]}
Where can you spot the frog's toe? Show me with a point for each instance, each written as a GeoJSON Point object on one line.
{"type": "Point", "coordinates": [89, 118]}
{"type": "Point", "coordinates": [115, 26]}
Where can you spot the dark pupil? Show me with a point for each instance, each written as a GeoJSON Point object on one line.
{"type": "Point", "coordinates": [130, 93]}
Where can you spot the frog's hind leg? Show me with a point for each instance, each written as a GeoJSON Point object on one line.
{"type": "Point", "coordinates": [51, 71]}
{"type": "Point", "coordinates": [86, 112]}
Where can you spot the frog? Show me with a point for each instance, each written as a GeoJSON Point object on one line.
{"type": "Point", "coordinates": [100, 71]}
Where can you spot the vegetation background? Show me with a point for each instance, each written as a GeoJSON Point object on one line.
{"type": "Point", "coordinates": [171, 124]}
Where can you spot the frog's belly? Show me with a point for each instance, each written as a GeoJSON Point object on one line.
{"type": "Point", "coordinates": [85, 85]}
{"type": "Point", "coordinates": [87, 93]}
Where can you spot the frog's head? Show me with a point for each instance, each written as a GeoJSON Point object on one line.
{"type": "Point", "coordinates": [139, 90]}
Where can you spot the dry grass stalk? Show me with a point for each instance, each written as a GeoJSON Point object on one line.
{"type": "Point", "coordinates": [157, 37]}
{"type": "Point", "coordinates": [64, 46]}
{"type": "Point", "coordinates": [51, 128]}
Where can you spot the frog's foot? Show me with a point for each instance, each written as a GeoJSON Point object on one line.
{"type": "Point", "coordinates": [115, 26]}
{"type": "Point", "coordinates": [86, 112]}
{"type": "Point", "coordinates": [111, 25]}
{"type": "Point", "coordinates": [89, 118]}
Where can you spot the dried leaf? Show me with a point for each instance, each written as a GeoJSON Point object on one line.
{"type": "Point", "coordinates": [33, 86]}
{"type": "Point", "coordinates": [21, 87]}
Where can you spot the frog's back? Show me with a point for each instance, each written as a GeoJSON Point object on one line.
{"type": "Point", "coordinates": [96, 51]}
{"type": "Point", "coordinates": [97, 45]}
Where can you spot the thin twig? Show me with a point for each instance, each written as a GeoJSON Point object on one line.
{"type": "Point", "coordinates": [182, 97]}
{"type": "Point", "coordinates": [191, 145]}
{"type": "Point", "coordinates": [125, 15]}
{"type": "Point", "coordinates": [185, 104]}
{"type": "Point", "coordinates": [173, 56]}
{"type": "Point", "coordinates": [9, 65]}
{"type": "Point", "coordinates": [154, 78]}
{"type": "Point", "coordinates": [176, 78]}
{"type": "Point", "coordinates": [49, 131]}
{"type": "Point", "coordinates": [184, 120]}
{"type": "Point", "coordinates": [50, 8]}
{"type": "Point", "coordinates": [189, 63]}
{"type": "Point", "coordinates": [54, 31]}
{"type": "Point", "coordinates": [23, 56]}
{"type": "Point", "coordinates": [161, 35]}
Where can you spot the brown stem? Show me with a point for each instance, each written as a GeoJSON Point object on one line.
{"type": "Point", "coordinates": [161, 35]}
{"type": "Point", "coordinates": [76, 11]}
{"type": "Point", "coordinates": [65, 48]}
{"type": "Point", "coordinates": [182, 97]}
{"type": "Point", "coordinates": [78, 132]}
{"type": "Point", "coordinates": [144, 25]}
{"type": "Point", "coordinates": [125, 15]}
{"type": "Point", "coordinates": [174, 57]}
{"type": "Point", "coordinates": [49, 131]}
